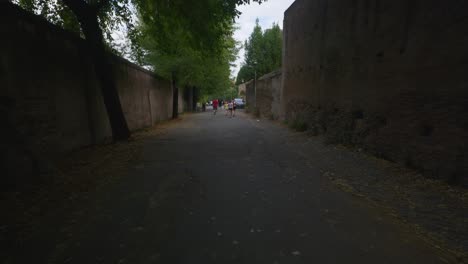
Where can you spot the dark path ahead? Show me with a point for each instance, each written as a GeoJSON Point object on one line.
{"type": "Point", "coordinates": [218, 190]}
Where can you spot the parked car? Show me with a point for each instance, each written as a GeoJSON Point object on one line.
{"type": "Point", "coordinates": [240, 103]}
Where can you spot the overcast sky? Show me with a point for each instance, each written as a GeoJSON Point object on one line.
{"type": "Point", "coordinates": [268, 13]}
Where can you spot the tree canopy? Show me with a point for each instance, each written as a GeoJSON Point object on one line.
{"type": "Point", "coordinates": [193, 46]}
{"type": "Point", "coordinates": [263, 51]}
{"type": "Point", "coordinates": [190, 40]}
{"type": "Point", "coordinates": [112, 15]}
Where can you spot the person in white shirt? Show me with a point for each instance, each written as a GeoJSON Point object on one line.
{"type": "Point", "coordinates": [230, 106]}
{"type": "Point", "coordinates": [234, 106]}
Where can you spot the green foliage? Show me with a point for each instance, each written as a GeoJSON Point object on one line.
{"type": "Point", "coordinates": [65, 18]}
{"type": "Point", "coordinates": [113, 15]}
{"type": "Point", "coordinates": [29, 5]}
{"type": "Point", "coordinates": [190, 42]}
{"type": "Point", "coordinates": [298, 125]}
{"type": "Point", "coordinates": [272, 47]}
{"type": "Point", "coordinates": [254, 46]}
{"type": "Point", "coordinates": [263, 52]}
{"type": "Point", "coordinates": [245, 74]}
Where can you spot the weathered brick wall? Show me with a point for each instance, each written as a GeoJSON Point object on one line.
{"type": "Point", "coordinates": [268, 95]}
{"type": "Point", "coordinates": [50, 96]}
{"type": "Point", "coordinates": [389, 75]}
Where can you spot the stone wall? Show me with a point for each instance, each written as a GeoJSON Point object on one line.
{"type": "Point", "coordinates": [50, 97]}
{"type": "Point", "coordinates": [388, 75]}
{"type": "Point", "coordinates": [264, 99]}
{"type": "Point", "coordinates": [241, 90]}
{"type": "Point", "coordinates": [268, 95]}
{"type": "Point", "coordinates": [250, 95]}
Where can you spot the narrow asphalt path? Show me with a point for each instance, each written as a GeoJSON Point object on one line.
{"type": "Point", "coordinates": [212, 189]}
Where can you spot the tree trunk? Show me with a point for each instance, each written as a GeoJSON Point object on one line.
{"type": "Point", "coordinates": [195, 99]}
{"type": "Point", "coordinates": [175, 98]}
{"type": "Point", "coordinates": [88, 17]}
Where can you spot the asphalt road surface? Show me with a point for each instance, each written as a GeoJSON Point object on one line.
{"type": "Point", "coordinates": [213, 189]}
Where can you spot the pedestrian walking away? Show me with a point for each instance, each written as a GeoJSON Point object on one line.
{"type": "Point", "coordinates": [215, 106]}
{"type": "Point", "coordinates": [230, 105]}
{"type": "Point", "coordinates": [234, 106]}
{"type": "Point", "coordinates": [226, 108]}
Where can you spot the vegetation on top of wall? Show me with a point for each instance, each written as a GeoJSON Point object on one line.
{"type": "Point", "coordinates": [263, 51]}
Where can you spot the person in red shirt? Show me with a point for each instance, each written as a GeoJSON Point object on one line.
{"type": "Point", "coordinates": [215, 106]}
